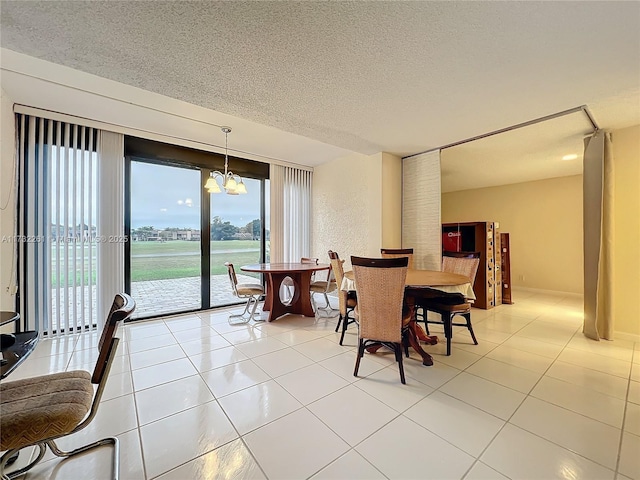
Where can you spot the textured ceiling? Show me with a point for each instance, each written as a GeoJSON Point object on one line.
{"type": "Point", "coordinates": [521, 155]}
{"type": "Point", "coordinates": [400, 77]}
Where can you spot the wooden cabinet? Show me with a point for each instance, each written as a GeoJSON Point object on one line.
{"type": "Point", "coordinates": [483, 237]}
{"type": "Point", "coordinates": [505, 268]}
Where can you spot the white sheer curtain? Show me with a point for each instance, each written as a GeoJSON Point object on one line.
{"type": "Point", "coordinates": [67, 244]}
{"type": "Point", "coordinates": [110, 220]}
{"type": "Point", "coordinates": [290, 230]}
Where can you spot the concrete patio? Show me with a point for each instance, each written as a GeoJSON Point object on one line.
{"type": "Point", "coordinates": [153, 297]}
{"type": "Point", "coordinates": [156, 297]}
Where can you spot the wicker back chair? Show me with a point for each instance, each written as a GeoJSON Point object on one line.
{"type": "Point", "coordinates": [347, 301]}
{"type": "Point", "coordinates": [462, 263]}
{"type": "Point", "coordinates": [398, 253]}
{"type": "Point", "coordinates": [39, 410]}
{"type": "Point", "coordinates": [249, 291]}
{"type": "Point", "coordinates": [380, 283]}
{"type": "Point", "coordinates": [450, 305]}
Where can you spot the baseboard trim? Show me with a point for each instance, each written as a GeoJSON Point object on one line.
{"type": "Point", "coordinates": [540, 290]}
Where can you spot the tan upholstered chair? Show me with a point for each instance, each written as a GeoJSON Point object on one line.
{"type": "Point", "coordinates": [450, 305]}
{"type": "Point", "coordinates": [249, 291]}
{"type": "Point", "coordinates": [323, 287]}
{"type": "Point", "coordinates": [380, 283]}
{"type": "Point", "coordinates": [347, 301]}
{"type": "Point", "coordinates": [39, 410]}
{"type": "Point", "coordinates": [398, 253]}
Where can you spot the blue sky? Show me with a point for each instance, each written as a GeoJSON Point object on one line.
{"type": "Point", "coordinates": [163, 196]}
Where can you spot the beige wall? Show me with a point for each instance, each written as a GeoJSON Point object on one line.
{"type": "Point", "coordinates": [7, 197]}
{"type": "Point", "coordinates": [626, 157]}
{"type": "Point", "coordinates": [391, 201]}
{"type": "Point", "coordinates": [353, 209]}
{"type": "Point", "coordinates": [544, 220]}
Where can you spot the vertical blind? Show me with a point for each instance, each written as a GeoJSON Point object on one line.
{"type": "Point", "coordinates": [59, 238]}
{"type": "Point", "coordinates": [290, 213]}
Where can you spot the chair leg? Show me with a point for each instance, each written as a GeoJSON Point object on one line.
{"type": "Point", "coordinates": [398, 351]}
{"type": "Point", "coordinates": [359, 356]}
{"type": "Point", "coordinates": [105, 441]}
{"type": "Point", "coordinates": [468, 318]}
{"type": "Point", "coordinates": [17, 473]}
{"type": "Point", "coordinates": [256, 301]}
{"type": "Point", "coordinates": [247, 315]}
{"type": "Point", "coordinates": [339, 322]}
{"type": "Point", "coordinates": [345, 324]}
{"type": "Point", "coordinates": [405, 344]}
{"type": "Point", "coordinates": [447, 320]}
{"type": "Point", "coordinates": [326, 299]}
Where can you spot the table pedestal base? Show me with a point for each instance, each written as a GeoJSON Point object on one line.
{"type": "Point", "coordinates": [300, 302]}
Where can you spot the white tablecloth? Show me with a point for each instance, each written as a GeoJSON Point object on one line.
{"type": "Point", "coordinates": [465, 289]}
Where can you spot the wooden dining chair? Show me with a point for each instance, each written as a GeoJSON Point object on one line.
{"type": "Point", "coordinates": [398, 253]}
{"type": "Point", "coordinates": [381, 283]}
{"type": "Point", "coordinates": [448, 305]}
{"type": "Point", "coordinates": [347, 301]}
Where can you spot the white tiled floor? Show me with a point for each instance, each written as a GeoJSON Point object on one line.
{"type": "Point", "coordinates": [191, 397]}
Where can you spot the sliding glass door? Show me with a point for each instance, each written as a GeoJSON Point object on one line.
{"type": "Point", "coordinates": [181, 235]}
{"type": "Point", "coordinates": [165, 256]}
{"type": "Point", "coordinates": [236, 237]}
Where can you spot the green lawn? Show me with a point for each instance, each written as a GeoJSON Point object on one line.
{"type": "Point", "coordinates": [177, 259]}
{"type": "Point", "coordinates": [180, 246]}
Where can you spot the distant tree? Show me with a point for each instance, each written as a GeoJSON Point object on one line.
{"type": "Point", "coordinates": [222, 230]}
{"type": "Point", "coordinates": [253, 227]}
{"type": "Point", "coordinates": [143, 233]}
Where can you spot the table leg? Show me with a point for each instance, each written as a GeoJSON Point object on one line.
{"type": "Point", "coordinates": [413, 340]}
{"type": "Point", "coordinates": [272, 302]}
{"type": "Point", "coordinates": [415, 344]}
{"type": "Point", "coordinates": [301, 302]}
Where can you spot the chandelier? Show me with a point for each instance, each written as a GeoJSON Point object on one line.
{"type": "Point", "coordinates": [232, 183]}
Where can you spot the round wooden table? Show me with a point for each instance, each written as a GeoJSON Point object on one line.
{"type": "Point", "coordinates": [300, 274]}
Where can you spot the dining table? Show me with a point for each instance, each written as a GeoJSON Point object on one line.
{"type": "Point", "coordinates": [300, 275]}
{"type": "Point", "coordinates": [421, 283]}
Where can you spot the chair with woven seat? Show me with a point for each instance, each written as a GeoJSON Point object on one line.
{"type": "Point", "coordinates": [347, 301]}
{"type": "Point", "coordinates": [383, 321]}
{"type": "Point", "coordinates": [249, 291]}
{"type": "Point", "coordinates": [398, 253]}
{"type": "Point", "coordinates": [38, 411]}
{"type": "Point", "coordinates": [448, 305]}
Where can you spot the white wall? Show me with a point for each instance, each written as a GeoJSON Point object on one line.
{"type": "Point", "coordinates": [347, 207]}
{"type": "Point", "coordinates": [7, 199]}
